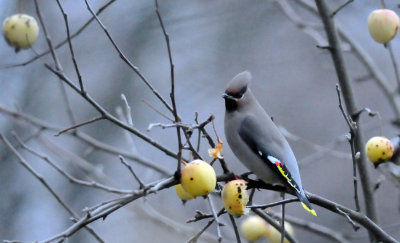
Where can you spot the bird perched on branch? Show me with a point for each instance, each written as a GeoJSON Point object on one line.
{"type": "Point", "coordinates": [257, 142]}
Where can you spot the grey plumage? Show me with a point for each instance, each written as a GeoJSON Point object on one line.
{"type": "Point", "coordinates": [256, 141]}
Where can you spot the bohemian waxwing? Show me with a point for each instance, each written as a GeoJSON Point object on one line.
{"type": "Point", "coordinates": [257, 142]}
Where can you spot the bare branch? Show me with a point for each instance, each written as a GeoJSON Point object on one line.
{"type": "Point", "coordinates": [105, 210]}
{"type": "Point", "coordinates": [45, 184]}
{"type": "Point", "coordinates": [353, 132]}
{"type": "Point", "coordinates": [349, 100]}
{"type": "Point", "coordinates": [66, 174]}
{"type": "Point", "coordinates": [235, 228]}
{"type": "Point", "coordinates": [57, 63]}
{"type": "Point", "coordinates": [273, 223]}
{"type": "Point", "coordinates": [132, 172]}
{"type": "Point", "coordinates": [85, 138]}
{"type": "Point", "coordinates": [200, 216]}
{"type": "Point", "coordinates": [80, 125]}
{"type": "Point", "coordinates": [355, 226]}
{"type": "Point", "coordinates": [128, 110]}
{"type": "Point", "coordinates": [125, 59]}
{"type": "Point", "coordinates": [172, 94]}
{"type": "Point", "coordinates": [214, 213]}
{"type": "Point", "coordinates": [110, 117]}
{"type": "Point", "coordinates": [340, 8]}
{"type": "Point", "coordinates": [270, 205]}
{"type": "Point", "coordinates": [157, 111]}
{"type": "Point", "coordinates": [365, 221]}
{"type": "Point", "coordinates": [307, 27]}
{"type": "Point", "coordinates": [368, 62]}
{"type": "Point", "coordinates": [78, 73]}
{"type": "Point", "coordinates": [283, 219]}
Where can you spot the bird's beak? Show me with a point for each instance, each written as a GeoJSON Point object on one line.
{"type": "Point", "coordinates": [226, 96]}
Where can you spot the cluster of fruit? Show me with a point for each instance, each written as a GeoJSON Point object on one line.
{"type": "Point", "coordinates": [199, 179]}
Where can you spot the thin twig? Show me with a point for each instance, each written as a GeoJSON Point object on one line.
{"type": "Point", "coordinates": [103, 212]}
{"type": "Point", "coordinates": [110, 117]}
{"type": "Point", "coordinates": [80, 125]}
{"type": "Point", "coordinates": [283, 219]}
{"type": "Point", "coordinates": [78, 73]}
{"type": "Point", "coordinates": [360, 218]}
{"type": "Point", "coordinates": [157, 111]}
{"type": "Point", "coordinates": [72, 179]}
{"type": "Point", "coordinates": [172, 93]}
{"type": "Point", "coordinates": [235, 228]}
{"type": "Point", "coordinates": [347, 89]}
{"type": "Point", "coordinates": [214, 213]}
{"type": "Point", "coordinates": [128, 110]}
{"type": "Point", "coordinates": [355, 226]}
{"type": "Point", "coordinates": [141, 184]}
{"type": "Point", "coordinates": [308, 28]}
{"type": "Point", "coordinates": [273, 223]}
{"type": "Point", "coordinates": [197, 236]}
{"type": "Point", "coordinates": [211, 142]}
{"type": "Point", "coordinates": [42, 125]}
{"type": "Point", "coordinates": [270, 205]}
{"type": "Point", "coordinates": [49, 42]}
{"type": "Point", "coordinates": [353, 132]}
{"type": "Point", "coordinates": [45, 184]}
{"type": "Point", "coordinates": [125, 59]}
{"type": "Point", "coordinates": [340, 8]}
{"type": "Point", "coordinates": [57, 63]}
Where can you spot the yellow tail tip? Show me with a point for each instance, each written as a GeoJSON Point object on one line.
{"type": "Point", "coordinates": [312, 211]}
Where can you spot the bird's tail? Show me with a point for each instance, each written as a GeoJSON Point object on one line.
{"type": "Point", "coordinates": [305, 203]}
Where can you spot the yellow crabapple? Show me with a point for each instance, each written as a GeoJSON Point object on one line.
{"type": "Point", "coordinates": [198, 178]}
{"type": "Point", "coordinates": [182, 194]}
{"type": "Point", "coordinates": [20, 31]}
{"type": "Point", "coordinates": [379, 149]}
{"type": "Point", "coordinates": [253, 228]}
{"type": "Point", "coordinates": [383, 25]}
{"type": "Point", "coordinates": [235, 197]}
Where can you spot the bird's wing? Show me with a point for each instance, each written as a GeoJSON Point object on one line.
{"type": "Point", "coordinates": [262, 145]}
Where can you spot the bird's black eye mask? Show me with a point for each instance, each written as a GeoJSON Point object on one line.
{"type": "Point", "coordinates": [235, 94]}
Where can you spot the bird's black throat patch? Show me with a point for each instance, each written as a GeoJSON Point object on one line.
{"type": "Point", "coordinates": [231, 105]}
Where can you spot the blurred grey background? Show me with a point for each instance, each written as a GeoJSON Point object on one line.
{"type": "Point", "coordinates": [211, 42]}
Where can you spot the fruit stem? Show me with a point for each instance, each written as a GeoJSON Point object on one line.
{"type": "Point", "coordinates": [19, 6]}
{"type": "Point", "coordinates": [380, 123]}
{"type": "Point", "coordinates": [383, 4]}
{"type": "Point", "coordinates": [184, 162]}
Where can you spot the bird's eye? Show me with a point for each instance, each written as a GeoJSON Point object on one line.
{"type": "Point", "coordinates": [238, 95]}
